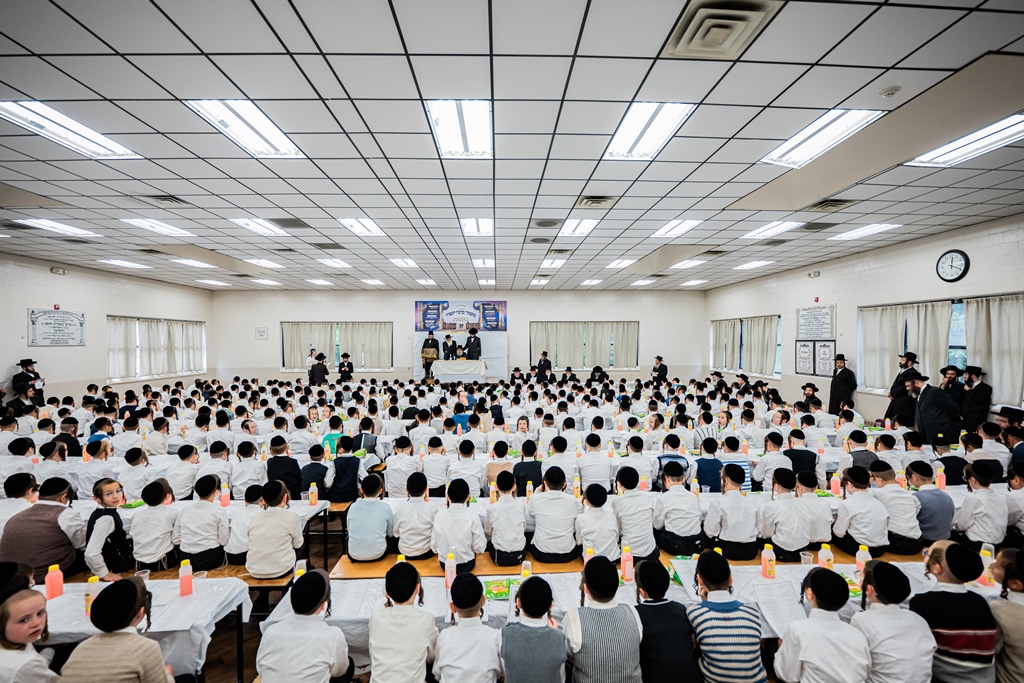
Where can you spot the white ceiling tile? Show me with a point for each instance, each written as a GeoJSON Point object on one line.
{"type": "Point", "coordinates": [889, 35]}
{"type": "Point", "coordinates": [619, 170]}
{"type": "Point", "coordinates": [111, 76]}
{"type": "Point", "coordinates": [408, 146]}
{"type": "Point", "coordinates": [353, 26]}
{"type": "Point", "coordinates": [44, 29]}
{"type": "Point", "coordinates": [690, 149]}
{"type": "Point", "coordinates": [630, 29]}
{"type": "Point", "coordinates": [209, 145]}
{"type": "Point", "coordinates": [319, 73]}
{"type": "Point", "coordinates": [287, 25]}
{"type": "Point", "coordinates": [453, 78]}
{"type": "Point", "coordinates": [188, 77]}
{"type": "Point", "coordinates": [754, 83]}
{"type": "Point", "coordinates": [567, 169]}
{"type": "Point", "coordinates": [530, 78]}
{"type": "Point", "coordinates": [129, 26]}
{"type": "Point", "coordinates": [967, 40]}
{"type": "Point", "coordinates": [41, 81]}
{"type": "Point", "coordinates": [524, 117]}
{"type": "Point", "coordinates": [606, 79]}
{"type": "Point", "coordinates": [153, 146]}
{"type": "Point", "coordinates": [394, 116]}
{"type": "Point", "coordinates": [384, 77]}
{"type": "Point", "coordinates": [521, 146]}
{"type": "Point", "coordinates": [102, 117]}
{"type": "Point", "coordinates": [325, 145]}
{"type": "Point", "coordinates": [680, 80]}
{"type": "Point", "coordinates": [191, 168]}
{"type": "Point", "coordinates": [436, 26]}
{"type": "Point", "coordinates": [223, 26]}
{"type": "Point", "coordinates": [266, 76]}
{"type": "Point", "coordinates": [166, 116]}
{"type": "Point", "coordinates": [591, 117]}
{"type": "Point", "coordinates": [912, 83]}
{"type": "Point", "coordinates": [299, 116]}
{"type": "Point", "coordinates": [665, 170]}
{"type": "Point", "coordinates": [537, 26]}
{"type": "Point", "coordinates": [779, 123]}
{"type": "Point", "coordinates": [579, 146]}
{"type": "Point", "coordinates": [805, 31]}
{"type": "Point", "coordinates": [711, 120]}
{"type": "Point", "coordinates": [826, 86]}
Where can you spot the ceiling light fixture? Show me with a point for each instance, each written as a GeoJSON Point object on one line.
{"type": "Point", "coordinates": [552, 263]}
{"type": "Point", "coordinates": [192, 262]}
{"type": "Point", "coordinates": [483, 263]}
{"type": "Point", "coordinates": [157, 227]}
{"type": "Point", "coordinates": [52, 125]}
{"type": "Point", "coordinates": [320, 282]}
{"type": "Point", "coordinates": [260, 227]}
{"type": "Point", "coordinates": [645, 129]}
{"type": "Point", "coordinates": [427, 283]}
{"type": "Point", "coordinates": [824, 133]}
{"type": "Point", "coordinates": [640, 283]}
{"type": "Point", "coordinates": [334, 262]}
{"type": "Point", "coordinates": [577, 227]}
{"type": "Point", "coordinates": [691, 283]}
{"type": "Point", "coordinates": [364, 227]}
{"type": "Point", "coordinates": [372, 282]}
{"type": "Point", "coordinates": [263, 263]}
{"type": "Point", "coordinates": [123, 264]}
{"type": "Point", "coordinates": [486, 282]}
{"type": "Point", "coordinates": [590, 283]}
{"type": "Point", "coordinates": [54, 226]}
{"type": "Point", "coordinates": [539, 282]}
{"type": "Point", "coordinates": [753, 264]}
{"type": "Point", "coordinates": [999, 134]}
{"type": "Point", "coordinates": [404, 262]}
{"type": "Point", "coordinates": [771, 230]}
{"type": "Point", "coordinates": [872, 229]}
{"type": "Point", "coordinates": [462, 128]}
{"type": "Point", "coordinates": [477, 227]}
{"type": "Point", "coordinates": [215, 283]}
{"type": "Point", "coordinates": [270, 283]}
{"type": "Point", "coordinates": [675, 228]}
{"type": "Point", "coordinates": [683, 265]}
{"type": "Point", "coordinates": [248, 127]}
{"type": "Point", "coordinates": [618, 264]}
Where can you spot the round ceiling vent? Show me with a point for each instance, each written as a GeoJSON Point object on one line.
{"type": "Point", "coordinates": [546, 223]}
{"type": "Point", "coordinates": [540, 240]}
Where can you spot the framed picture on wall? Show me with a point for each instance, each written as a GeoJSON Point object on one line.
{"type": "Point", "coordinates": [262, 334]}
{"type": "Point", "coordinates": [804, 357]}
{"type": "Point", "coordinates": [824, 358]}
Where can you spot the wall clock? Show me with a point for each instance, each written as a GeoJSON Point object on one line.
{"type": "Point", "coordinates": [953, 265]}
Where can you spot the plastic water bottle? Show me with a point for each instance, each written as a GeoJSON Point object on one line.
{"type": "Point", "coordinates": [695, 486]}
{"type": "Point", "coordinates": [54, 582]}
{"type": "Point", "coordinates": [611, 449]}
{"type": "Point", "coordinates": [901, 479]}
{"type": "Point", "coordinates": [314, 494]}
{"type": "Point", "coordinates": [862, 558]}
{"type": "Point", "coordinates": [263, 451]}
{"type": "Point", "coordinates": [449, 569]}
{"type": "Point", "coordinates": [745, 447]}
{"type": "Point", "coordinates": [940, 478]}
{"type": "Point", "coordinates": [576, 488]}
{"type": "Point", "coordinates": [91, 589]}
{"type": "Point", "coordinates": [494, 492]}
{"type": "Point", "coordinates": [825, 557]}
{"type": "Point", "coordinates": [400, 558]}
{"type": "Point", "coordinates": [300, 568]}
{"type": "Point", "coordinates": [643, 483]}
{"type": "Point", "coordinates": [85, 456]}
{"type": "Point", "coordinates": [627, 564]}
{"type": "Point", "coordinates": [458, 430]}
{"type": "Point", "coordinates": [526, 570]}
{"type": "Point", "coordinates": [588, 554]}
{"type": "Point", "coordinates": [185, 578]}
{"type": "Point", "coordinates": [423, 452]}
{"type": "Point", "coordinates": [986, 578]}
{"type": "Point", "coordinates": [768, 561]}
{"type": "Point", "coordinates": [225, 496]}
{"type": "Point", "coordinates": [835, 485]}
{"type": "Point", "coordinates": [888, 424]}
{"type": "Point", "coordinates": [529, 489]}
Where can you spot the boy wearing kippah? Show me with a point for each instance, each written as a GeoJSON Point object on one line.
{"type": "Point", "coordinates": [677, 514]}
{"type": "Point", "coordinates": [470, 651]}
{"type": "Point", "coordinates": [861, 519]}
{"type": "Point", "coordinates": [634, 510]}
{"type": "Point", "coordinates": [435, 467]}
{"type": "Point", "coordinates": [468, 468]}
{"type": "Point", "coordinates": [400, 465]}
{"type": "Point", "coordinates": [457, 530]}
{"type": "Point", "coordinates": [403, 637]}
{"type": "Point", "coordinates": [533, 649]}
{"type": "Point", "coordinates": [597, 528]}
{"type": "Point", "coordinates": [414, 520]}
{"type": "Point", "coordinates": [283, 467]}
{"type": "Point", "coordinates": [733, 521]}
{"type": "Point", "coordinates": [153, 531]}
{"type": "Point", "coordinates": [248, 471]}
{"type": "Point", "coordinates": [937, 509]}
{"type": "Point", "coordinates": [554, 512]}
{"type": "Point", "coordinates": [181, 472]}
{"type": "Point", "coordinates": [528, 469]}
{"type": "Point", "coordinates": [506, 523]}
{"type": "Point", "coordinates": [237, 547]}
{"type": "Point", "coordinates": [202, 529]}
{"type": "Point", "coordinates": [370, 523]}
{"type": "Point", "coordinates": [137, 475]}
{"type": "Point", "coordinates": [902, 506]}
{"type": "Point", "coordinates": [666, 649]}
{"type": "Point", "coordinates": [784, 521]}
{"type": "Point", "coordinates": [983, 516]}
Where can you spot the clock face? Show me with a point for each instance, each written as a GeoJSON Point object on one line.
{"type": "Point", "coordinates": [952, 265]}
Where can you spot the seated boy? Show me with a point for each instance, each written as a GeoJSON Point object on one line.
{"type": "Point", "coordinates": [785, 522]}
{"type": "Point", "coordinates": [532, 651]}
{"type": "Point", "coordinates": [414, 520]}
{"type": "Point", "coordinates": [506, 523]}
{"type": "Point", "coordinates": [554, 512]}
{"type": "Point", "coordinates": [469, 637]}
{"type": "Point", "coordinates": [370, 522]}
{"type": "Point", "coordinates": [635, 511]}
{"type": "Point", "coordinates": [677, 514]}
{"type": "Point", "coordinates": [597, 529]}
{"type": "Point", "coordinates": [153, 531]}
{"type": "Point", "coordinates": [457, 530]}
{"type": "Point", "coordinates": [862, 519]}
{"type": "Point", "coordinates": [984, 514]}
{"type": "Point", "coordinates": [733, 520]}
{"type": "Point", "coordinates": [202, 529]}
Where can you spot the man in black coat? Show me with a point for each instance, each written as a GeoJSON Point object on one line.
{"type": "Point", "coordinates": [448, 348]}
{"type": "Point", "coordinates": [544, 366]}
{"type": "Point", "coordinates": [429, 353]}
{"type": "Point", "coordinates": [900, 401]}
{"type": "Point", "coordinates": [473, 349]}
{"type": "Point", "coordinates": [345, 369]}
{"type": "Point", "coordinates": [659, 373]}
{"type": "Point", "coordinates": [844, 383]}
{"type": "Point", "coordinates": [319, 371]}
{"type": "Point", "coordinates": [952, 385]}
{"type": "Point", "coordinates": [977, 399]}
{"type": "Point", "coordinates": [30, 377]}
{"type": "Point", "coordinates": [935, 411]}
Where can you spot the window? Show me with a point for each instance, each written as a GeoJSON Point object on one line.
{"type": "Point", "coordinates": [145, 347]}
{"type": "Point", "coordinates": [369, 344]}
{"type": "Point", "coordinates": [586, 344]}
{"type": "Point", "coordinates": [957, 337]}
{"type": "Point", "coordinates": [751, 345]}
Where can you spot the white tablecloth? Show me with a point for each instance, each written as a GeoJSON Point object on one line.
{"type": "Point", "coordinates": [304, 510]}
{"type": "Point", "coordinates": [182, 626]}
{"type": "Point", "coordinates": [459, 370]}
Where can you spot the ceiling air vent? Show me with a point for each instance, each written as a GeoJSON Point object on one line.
{"type": "Point", "coordinates": [830, 205]}
{"type": "Point", "coordinates": [8, 225]}
{"type": "Point", "coordinates": [151, 252]}
{"type": "Point", "coordinates": [719, 29]}
{"type": "Point", "coordinates": [72, 240]}
{"type": "Point", "coordinates": [546, 223]}
{"type": "Point", "coordinates": [287, 223]}
{"type": "Point", "coordinates": [595, 202]}
{"type": "Point", "coordinates": [559, 252]}
{"type": "Point", "coordinates": [283, 249]}
{"type": "Point", "coordinates": [163, 201]}
{"type": "Point", "coordinates": [817, 227]}
{"type": "Point", "coordinates": [326, 245]}
{"type": "Point", "coordinates": [539, 240]}
{"type": "Point", "coordinates": [657, 276]}
{"type": "Point", "coordinates": [773, 243]}
{"type": "Point", "coordinates": [715, 252]}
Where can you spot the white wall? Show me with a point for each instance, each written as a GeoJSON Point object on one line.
{"type": "Point", "coordinates": [672, 324]}
{"type": "Point", "coordinates": [28, 283]}
{"type": "Point", "coordinates": [895, 274]}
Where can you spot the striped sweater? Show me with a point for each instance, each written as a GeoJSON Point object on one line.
{"type": "Point", "coordinates": [729, 638]}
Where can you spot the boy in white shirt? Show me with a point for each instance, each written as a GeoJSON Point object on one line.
{"type": "Point", "coordinates": [457, 530]}
{"type": "Point", "coordinates": [862, 519]}
{"type": "Point", "coordinates": [217, 464]}
{"type": "Point", "coordinates": [400, 465]}
{"type": "Point", "coordinates": [414, 519]}
{"type": "Point", "coordinates": [468, 468]}
{"type": "Point", "coordinates": [52, 462]}
{"type": "Point", "coordinates": [733, 521]}
{"type": "Point", "coordinates": [597, 528]}
{"type": "Point", "coordinates": [403, 638]}
{"type": "Point", "coordinates": [506, 524]}
{"type": "Point", "coordinates": [554, 512]}
{"type": "Point", "coordinates": [302, 438]}
{"type": "Point", "coordinates": [646, 465]}
{"type": "Point", "coordinates": [595, 467]}
{"type": "Point", "coordinates": [237, 547]}
{"type": "Point", "coordinates": [222, 431]}
{"type": "Point", "coordinates": [97, 468]}
{"type": "Point", "coordinates": [498, 433]}
{"type": "Point", "coordinates": [127, 439]}
{"type": "Point", "coordinates": [470, 651]}
{"type": "Point", "coordinates": [903, 507]}
{"type": "Point", "coordinates": [635, 511]}
{"type": "Point", "coordinates": [422, 432]}
{"type": "Point", "coordinates": [677, 514]}
{"type": "Point", "coordinates": [819, 511]}
{"type": "Point", "coordinates": [435, 467]}
{"type": "Point", "coordinates": [784, 521]}
{"type": "Point", "coordinates": [248, 471]}
{"type": "Point", "coordinates": [202, 529]}
{"type": "Point", "coordinates": [137, 474]}
{"type": "Point", "coordinates": [560, 457]}
{"type": "Point", "coordinates": [984, 514]}
{"type": "Point", "coordinates": [153, 528]}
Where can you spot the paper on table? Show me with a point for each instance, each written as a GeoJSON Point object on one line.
{"type": "Point", "coordinates": [435, 597]}
{"type": "Point", "coordinates": [566, 590]}
{"type": "Point", "coordinates": [779, 603]}
{"type": "Point", "coordinates": [358, 600]}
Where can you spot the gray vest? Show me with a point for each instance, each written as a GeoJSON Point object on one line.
{"type": "Point", "coordinates": [610, 652]}
{"type": "Point", "coordinates": [863, 457]}
{"type": "Point", "coordinates": [532, 655]}
{"type": "Point", "coordinates": [34, 537]}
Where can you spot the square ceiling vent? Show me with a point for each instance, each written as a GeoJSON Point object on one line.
{"type": "Point", "coordinates": [719, 29]}
{"type": "Point", "coordinates": [595, 202]}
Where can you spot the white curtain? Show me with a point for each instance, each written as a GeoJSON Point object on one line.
{"type": "Point", "coordinates": [626, 338]}
{"type": "Point", "coordinates": [718, 344]}
{"type": "Point", "coordinates": [295, 338]}
{"type": "Point", "coordinates": [995, 343]}
{"type": "Point", "coordinates": [599, 345]}
{"type": "Point", "coordinates": [928, 335]}
{"type": "Point", "coordinates": [569, 345]}
{"type": "Point", "coordinates": [377, 344]}
{"type": "Point", "coordinates": [121, 348]}
{"type": "Point", "coordinates": [543, 337]}
{"type": "Point", "coordinates": [881, 344]}
{"type": "Point", "coordinates": [760, 343]}
{"type": "Point", "coordinates": [194, 348]}
{"type": "Point", "coordinates": [350, 341]}
{"type": "Point", "coordinates": [731, 335]}
{"type": "Point", "coordinates": [322, 339]}
{"type": "Point", "coordinates": [156, 356]}
{"type": "Point", "coordinates": [174, 345]}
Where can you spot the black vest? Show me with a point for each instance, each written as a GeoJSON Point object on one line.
{"type": "Point", "coordinates": [345, 488]}
{"type": "Point", "coordinates": [803, 460]}
{"type": "Point", "coordinates": [314, 472]}
{"type": "Point", "coordinates": [117, 549]}
{"type": "Point", "coordinates": [286, 470]}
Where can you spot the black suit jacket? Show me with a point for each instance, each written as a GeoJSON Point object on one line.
{"type": "Point", "coordinates": [977, 401]}
{"type": "Point", "coordinates": [74, 447]}
{"type": "Point", "coordinates": [318, 373]}
{"type": "Point", "coordinates": [902, 402]}
{"type": "Point", "coordinates": [936, 414]}
{"type": "Point", "coordinates": [345, 371]}
{"type": "Point", "coordinates": [544, 366]}
{"type": "Point", "coordinates": [28, 378]}
{"type": "Point", "coordinates": [448, 350]}
{"type": "Point", "coordinates": [473, 350]}
{"type": "Point", "coordinates": [659, 373]}
{"type": "Point", "coordinates": [957, 393]}
{"type": "Point", "coordinates": [844, 383]}
{"type": "Point", "coordinates": [430, 344]}
{"type": "Point", "coordinates": [570, 377]}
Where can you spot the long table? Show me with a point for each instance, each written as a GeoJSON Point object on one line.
{"type": "Point", "coordinates": [459, 370]}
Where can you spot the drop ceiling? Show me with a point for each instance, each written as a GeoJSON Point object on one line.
{"type": "Point", "coordinates": [346, 80]}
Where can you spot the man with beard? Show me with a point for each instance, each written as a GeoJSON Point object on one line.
{"type": "Point", "coordinates": [810, 391]}
{"type": "Point", "coordinates": [900, 400]}
{"type": "Point", "coordinates": [936, 412]}
{"type": "Point", "coordinates": [952, 386]}
{"type": "Point", "coordinates": [844, 383]}
{"type": "Point", "coordinates": [977, 399]}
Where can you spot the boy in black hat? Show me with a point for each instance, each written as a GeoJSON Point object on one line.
{"type": "Point", "coordinates": [961, 621]}
{"type": "Point", "coordinates": [983, 516]}
{"type": "Point", "coordinates": [471, 650]}
{"type": "Point", "coordinates": [823, 647]}
{"type": "Point", "coordinates": [324, 648]}
{"type": "Point", "coordinates": [862, 519]}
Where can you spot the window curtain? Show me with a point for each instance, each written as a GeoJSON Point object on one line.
{"type": "Point", "coordinates": [718, 344]}
{"type": "Point", "coordinates": [175, 347]}
{"type": "Point", "coordinates": [543, 337]}
{"type": "Point", "coordinates": [928, 335]}
{"type": "Point", "coordinates": [761, 336]}
{"type": "Point", "coordinates": [156, 356]}
{"type": "Point", "coordinates": [626, 337]}
{"type": "Point", "coordinates": [377, 343]}
{"type": "Point", "coordinates": [881, 343]}
{"type": "Point", "coordinates": [569, 339]}
{"type": "Point", "coordinates": [599, 344]}
{"type": "Point", "coordinates": [295, 338]}
{"type": "Point", "coordinates": [322, 339]}
{"type": "Point", "coordinates": [731, 329]}
{"type": "Point", "coordinates": [994, 343]}
{"type": "Point", "coordinates": [194, 351]}
{"type": "Point", "coordinates": [121, 348]}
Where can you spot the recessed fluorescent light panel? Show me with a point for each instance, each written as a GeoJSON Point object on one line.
{"type": "Point", "coordinates": [691, 283]}
{"type": "Point", "coordinates": [640, 283]}
{"type": "Point", "coordinates": [872, 229]}
{"type": "Point", "coordinates": [539, 282]}
{"type": "Point", "coordinates": [683, 265]}
{"type": "Point", "coordinates": [645, 129]}
{"type": "Point", "coordinates": [192, 262]}
{"type": "Point", "coordinates": [215, 283]}
{"type": "Point", "coordinates": [320, 282]}
{"type": "Point", "coordinates": [999, 134]}
{"type": "Point", "coordinates": [157, 227]}
{"type": "Point", "coordinates": [54, 226]}
{"type": "Point", "coordinates": [483, 263]}
{"type": "Point", "coordinates": [404, 262]}
{"type": "Point", "coordinates": [52, 125]}
{"type": "Point", "coordinates": [263, 263]}
{"type": "Point", "coordinates": [123, 264]}
{"type": "Point", "coordinates": [334, 262]}
{"type": "Point", "coordinates": [590, 283]}
{"type": "Point", "coordinates": [364, 227]}
{"type": "Point", "coordinates": [618, 264]}
{"type": "Point", "coordinates": [575, 227]}
{"type": "Point", "coordinates": [427, 283]}
{"type": "Point", "coordinates": [372, 282]}
{"type": "Point", "coordinates": [477, 227]}
{"type": "Point", "coordinates": [259, 226]}
{"type": "Point", "coordinates": [486, 282]}
{"type": "Point", "coordinates": [270, 283]}
{"type": "Point", "coordinates": [820, 136]}
{"type": "Point", "coordinates": [462, 128]}
{"type": "Point", "coordinates": [772, 229]}
{"type": "Point", "coordinates": [675, 229]}
{"type": "Point", "coordinates": [248, 127]}
{"type": "Point", "coordinates": [753, 264]}
{"type": "Point", "coordinates": [552, 263]}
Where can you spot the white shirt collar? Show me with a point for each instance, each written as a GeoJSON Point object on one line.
{"type": "Point", "coordinates": [611, 604]}
{"type": "Point", "coordinates": [533, 623]}
{"type": "Point", "coordinates": [950, 587]}
{"type": "Point", "coordinates": [817, 613]}
{"type": "Point", "coordinates": [720, 596]}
